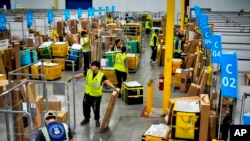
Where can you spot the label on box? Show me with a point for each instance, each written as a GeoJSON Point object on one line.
{"type": "Point", "coordinates": [132, 84]}
{"type": "Point", "coordinates": [4, 44]}
{"type": "Point", "coordinates": [239, 132]}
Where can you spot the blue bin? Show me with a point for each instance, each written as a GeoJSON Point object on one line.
{"type": "Point", "coordinates": [133, 46]}
{"type": "Point", "coordinates": [74, 54]}
{"type": "Point", "coordinates": [246, 119]}
{"type": "Point", "coordinates": [25, 57]}
{"type": "Point", "coordinates": [34, 56]}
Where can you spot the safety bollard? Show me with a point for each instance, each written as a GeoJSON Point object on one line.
{"type": "Point", "coordinates": [149, 100]}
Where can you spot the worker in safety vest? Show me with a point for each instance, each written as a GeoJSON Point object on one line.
{"type": "Point", "coordinates": [154, 42]}
{"type": "Point", "coordinates": [147, 27]}
{"type": "Point", "coordinates": [54, 130]}
{"type": "Point", "coordinates": [110, 19]}
{"type": "Point", "coordinates": [93, 92]}
{"type": "Point", "coordinates": [186, 19]}
{"type": "Point", "coordinates": [117, 45]}
{"type": "Point", "coordinates": [178, 46]}
{"type": "Point", "coordinates": [85, 50]}
{"type": "Point", "coordinates": [121, 67]}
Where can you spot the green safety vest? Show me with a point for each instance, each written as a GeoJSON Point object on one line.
{"type": "Point", "coordinates": [152, 40]}
{"type": "Point", "coordinates": [94, 85]}
{"type": "Point", "coordinates": [119, 62]}
{"type": "Point", "coordinates": [186, 20]}
{"type": "Point", "coordinates": [177, 49]}
{"type": "Point", "coordinates": [147, 25]}
{"type": "Point", "coordinates": [46, 134]}
{"type": "Point", "coordinates": [85, 47]}
{"type": "Point", "coordinates": [110, 20]}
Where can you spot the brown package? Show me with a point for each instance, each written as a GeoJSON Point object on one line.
{"type": "Point", "coordinates": [204, 119]}
{"type": "Point", "coordinates": [193, 90]}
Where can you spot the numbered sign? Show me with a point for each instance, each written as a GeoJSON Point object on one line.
{"type": "Point", "coordinates": [2, 22]}
{"type": "Point", "coordinates": [197, 10]}
{"type": "Point", "coordinates": [206, 33]}
{"type": "Point", "coordinates": [29, 18]}
{"type": "Point", "coordinates": [89, 12]}
{"type": "Point", "coordinates": [113, 9]}
{"type": "Point", "coordinates": [66, 14]}
{"type": "Point", "coordinates": [204, 20]}
{"type": "Point", "coordinates": [100, 11]}
{"type": "Point", "coordinates": [4, 44]}
{"type": "Point", "coordinates": [216, 48]}
{"type": "Point", "coordinates": [79, 13]}
{"type": "Point", "coordinates": [229, 74]}
{"type": "Point", "coordinates": [107, 9]}
{"type": "Point", "coordinates": [50, 16]}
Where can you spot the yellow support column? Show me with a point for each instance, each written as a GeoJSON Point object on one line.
{"type": "Point", "coordinates": [182, 13]}
{"type": "Point", "coordinates": [55, 4]}
{"type": "Point", "coordinates": [168, 55]}
{"type": "Point", "coordinates": [149, 100]}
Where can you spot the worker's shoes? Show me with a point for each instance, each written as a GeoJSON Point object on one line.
{"type": "Point", "coordinates": [97, 123]}
{"type": "Point", "coordinates": [84, 121]}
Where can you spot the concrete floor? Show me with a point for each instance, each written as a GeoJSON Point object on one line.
{"type": "Point", "coordinates": [126, 122]}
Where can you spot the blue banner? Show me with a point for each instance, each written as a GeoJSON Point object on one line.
{"type": "Point", "coordinates": [100, 10]}
{"type": "Point", "coordinates": [113, 9]}
{"type": "Point", "coordinates": [206, 33]}
{"type": "Point", "coordinates": [92, 11]}
{"type": "Point", "coordinates": [107, 9]}
{"type": "Point", "coordinates": [50, 16]}
{"type": "Point", "coordinates": [229, 75]}
{"type": "Point", "coordinates": [216, 48]}
{"type": "Point", "coordinates": [29, 18]}
{"type": "Point", "coordinates": [79, 13]}
{"type": "Point", "coordinates": [2, 22]}
{"type": "Point", "coordinates": [66, 14]}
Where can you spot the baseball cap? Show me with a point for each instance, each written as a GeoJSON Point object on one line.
{"type": "Point", "coordinates": [49, 115]}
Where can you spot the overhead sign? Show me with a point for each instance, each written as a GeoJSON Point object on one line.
{"type": "Point", "coordinates": [113, 9]}
{"type": "Point", "coordinates": [107, 9]}
{"type": "Point", "coordinates": [89, 12]}
{"type": "Point", "coordinates": [79, 13]}
{"type": "Point", "coordinates": [206, 33]}
{"type": "Point", "coordinates": [50, 16]}
{"type": "Point", "coordinates": [229, 75]}
{"type": "Point", "coordinates": [204, 20]}
{"type": "Point", "coordinates": [2, 22]}
{"type": "Point", "coordinates": [100, 10]}
{"type": "Point", "coordinates": [92, 11]}
{"type": "Point", "coordinates": [216, 48]}
{"type": "Point", "coordinates": [66, 14]}
{"type": "Point", "coordinates": [29, 18]}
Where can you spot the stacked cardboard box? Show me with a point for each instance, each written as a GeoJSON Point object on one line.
{"type": "Point", "coordinates": [60, 28]}
{"type": "Point", "coordinates": [73, 26]}
{"type": "Point", "coordinates": [186, 79]}
{"type": "Point", "coordinates": [177, 78]}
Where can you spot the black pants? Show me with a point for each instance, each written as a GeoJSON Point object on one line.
{"type": "Point", "coordinates": [91, 101]}
{"type": "Point", "coordinates": [147, 31]}
{"type": "Point", "coordinates": [121, 76]}
{"type": "Point", "coordinates": [86, 56]}
{"type": "Point", "coordinates": [154, 53]}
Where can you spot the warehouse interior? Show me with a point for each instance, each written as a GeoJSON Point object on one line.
{"type": "Point", "coordinates": [31, 85]}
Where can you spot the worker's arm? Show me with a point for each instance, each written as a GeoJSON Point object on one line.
{"type": "Point", "coordinates": [79, 75]}
{"type": "Point", "coordinates": [83, 43]}
{"type": "Point", "coordinates": [107, 82]}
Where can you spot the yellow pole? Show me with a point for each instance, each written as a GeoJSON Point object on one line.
{"type": "Point", "coordinates": [55, 4]}
{"type": "Point", "coordinates": [149, 100]}
{"type": "Point", "coordinates": [168, 55]}
{"type": "Point", "coordinates": [182, 13]}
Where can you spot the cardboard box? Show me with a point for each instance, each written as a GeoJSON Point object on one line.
{"type": "Point", "coordinates": [62, 117]}
{"type": "Point", "coordinates": [186, 79]}
{"type": "Point", "coordinates": [204, 119]}
{"type": "Point", "coordinates": [4, 85]}
{"type": "Point", "coordinates": [193, 90]}
{"type": "Point", "coordinates": [212, 125]}
{"type": "Point", "coordinates": [53, 104]}
{"type": "Point", "coordinates": [2, 66]}
{"type": "Point", "coordinates": [190, 60]}
{"type": "Point", "coordinates": [247, 79]}
{"type": "Point", "coordinates": [177, 78]}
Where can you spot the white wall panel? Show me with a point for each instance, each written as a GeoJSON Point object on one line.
{"type": "Point", "coordinates": [222, 5]}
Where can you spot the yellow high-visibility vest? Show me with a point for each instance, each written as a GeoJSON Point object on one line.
{"type": "Point", "coordinates": [119, 62]}
{"type": "Point", "coordinates": [177, 46]}
{"type": "Point", "coordinates": [152, 40]}
{"type": "Point", "coordinates": [147, 25]}
{"type": "Point", "coordinates": [85, 47]}
{"type": "Point", "coordinates": [94, 85]}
